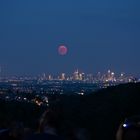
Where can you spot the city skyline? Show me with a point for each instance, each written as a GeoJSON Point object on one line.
{"type": "Point", "coordinates": [98, 35]}
{"type": "Point", "coordinates": [5, 73]}
{"type": "Point", "coordinates": [75, 75]}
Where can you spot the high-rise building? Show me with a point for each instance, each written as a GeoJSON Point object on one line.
{"type": "Point", "coordinates": [63, 76]}
{"type": "Point", "coordinates": [83, 76]}
{"type": "Point", "coordinates": [50, 77]}
{"type": "Point", "coordinates": [76, 75]}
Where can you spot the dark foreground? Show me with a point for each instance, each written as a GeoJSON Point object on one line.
{"type": "Point", "coordinates": [99, 113]}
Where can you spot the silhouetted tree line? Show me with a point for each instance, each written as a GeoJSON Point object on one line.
{"type": "Point", "coordinates": [100, 112]}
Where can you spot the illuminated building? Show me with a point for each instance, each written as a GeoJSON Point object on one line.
{"type": "Point", "coordinates": [63, 76]}
{"type": "Point", "coordinates": [50, 77]}
{"type": "Point", "coordinates": [76, 75]}
{"type": "Point", "coordinates": [80, 77]}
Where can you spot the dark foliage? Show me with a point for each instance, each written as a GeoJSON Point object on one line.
{"type": "Point", "coordinates": [100, 112]}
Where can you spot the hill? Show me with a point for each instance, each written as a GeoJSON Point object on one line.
{"type": "Point", "coordinates": [100, 113]}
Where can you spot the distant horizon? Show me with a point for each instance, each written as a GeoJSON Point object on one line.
{"type": "Point", "coordinates": [94, 73]}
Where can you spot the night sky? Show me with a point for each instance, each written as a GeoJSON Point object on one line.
{"type": "Point", "coordinates": [99, 35]}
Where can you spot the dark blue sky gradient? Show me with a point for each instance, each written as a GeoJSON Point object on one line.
{"type": "Point", "coordinates": [100, 35]}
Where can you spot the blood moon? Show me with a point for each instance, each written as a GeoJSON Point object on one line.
{"type": "Point", "coordinates": [62, 50]}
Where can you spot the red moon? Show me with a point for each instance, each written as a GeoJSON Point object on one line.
{"type": "Point", "coordinates": [62, 50]}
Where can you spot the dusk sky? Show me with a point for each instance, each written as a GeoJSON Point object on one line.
{"type": "Point", "coordinates": [99, 35]}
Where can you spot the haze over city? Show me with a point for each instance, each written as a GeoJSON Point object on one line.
{"type": "Point", "coordinates": [99, 35]}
